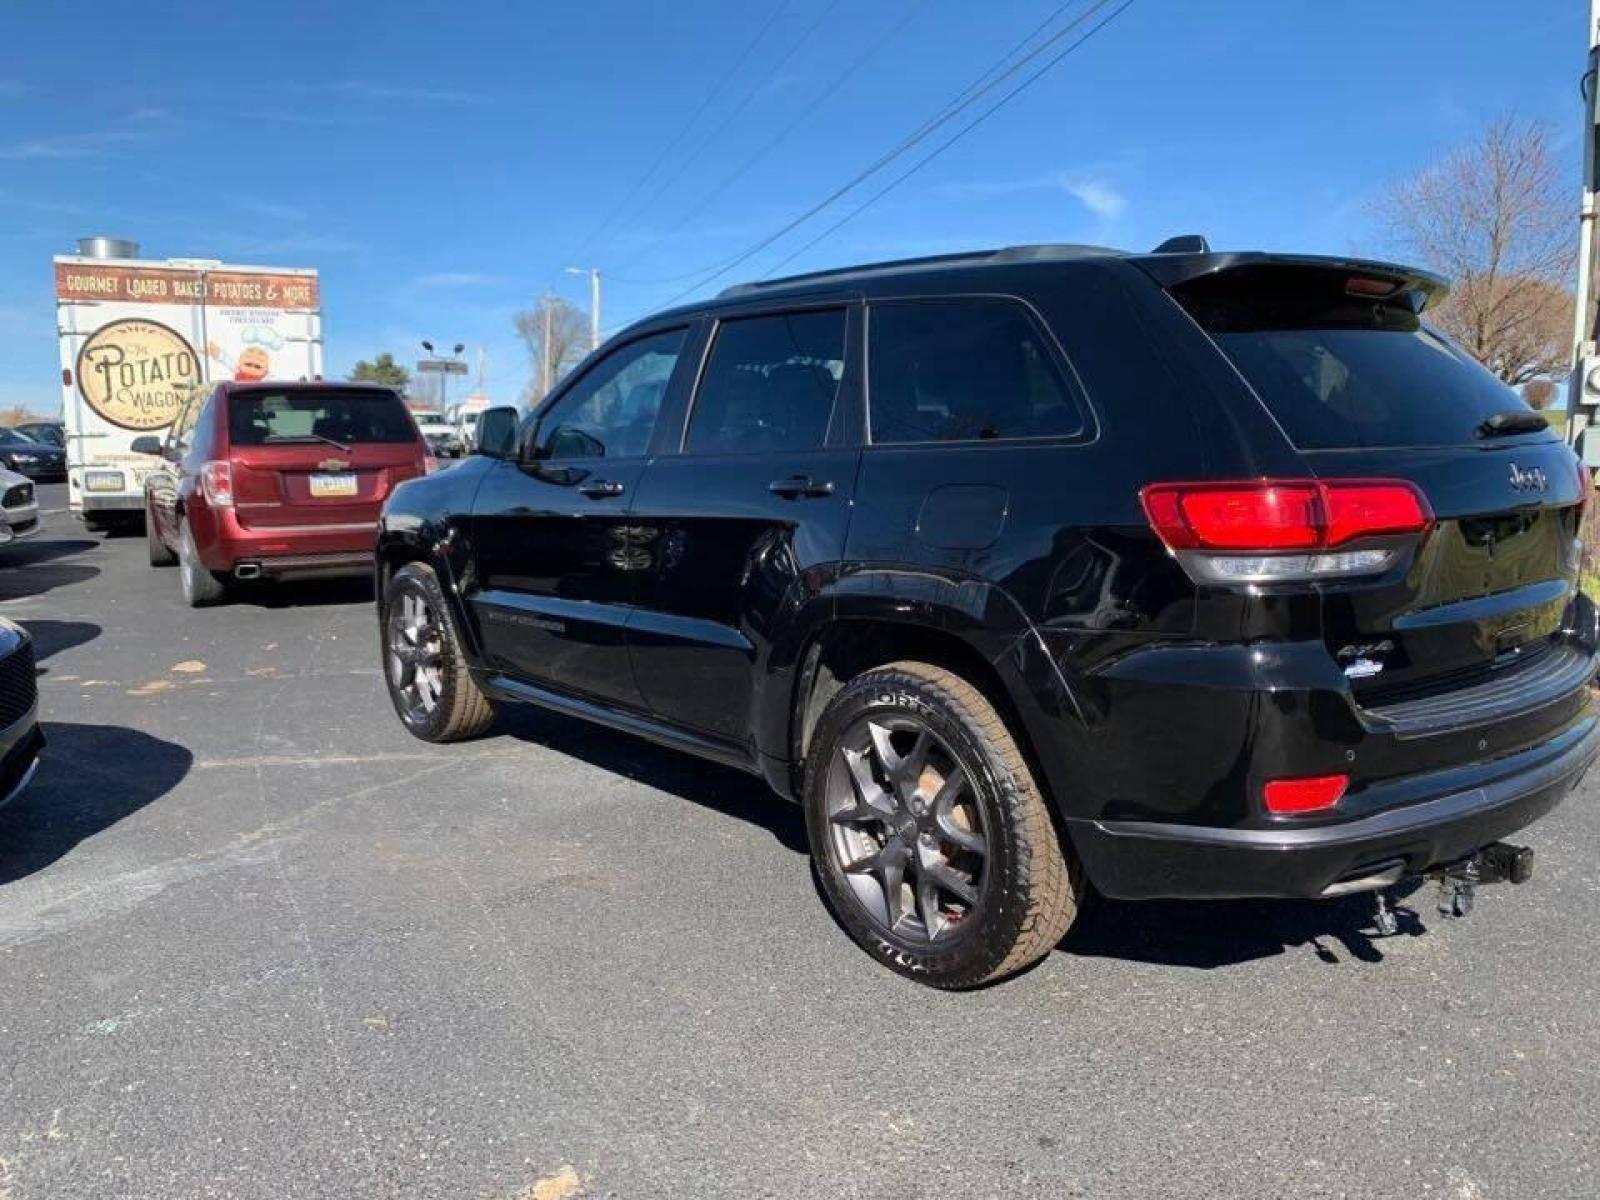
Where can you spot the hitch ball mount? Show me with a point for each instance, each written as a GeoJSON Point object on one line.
{"type": "Point", "coordinates": [1500, 862]}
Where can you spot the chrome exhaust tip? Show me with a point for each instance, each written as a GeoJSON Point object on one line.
{"type": "Point", "coordinates": [247, 570]}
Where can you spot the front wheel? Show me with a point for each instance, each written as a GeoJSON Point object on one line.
{"type": "Point", "coordinates": [160, 554]}
{"type": "Point", "coordinates": [430, 685]}
{"type": "Point", "coordinates": [931, 841]}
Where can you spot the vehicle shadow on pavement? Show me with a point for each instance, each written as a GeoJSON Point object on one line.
{"type": "Point", "coordinates": [311, 593]}
{"type": "Point", "coordinates": [52, 637]}
{"type": "Point", "coordinates": [1223, 933]}
{"type": "Point", "coordinates": [83, 787]}
{"type": "Point", "coordinates": [44, 570]}
{"type": "Point", "coordinates": [721, 789]}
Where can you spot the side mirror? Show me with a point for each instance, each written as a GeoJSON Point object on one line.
{"type": "Point", "coordinates": [496, 436]}
{"type": "Point", "coordinates": [147, 444]}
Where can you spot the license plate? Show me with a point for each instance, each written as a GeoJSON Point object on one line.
{"type": "Point", "coordinates": [103, 481]}
{"type": "Point", "coordinates": [327, 486]}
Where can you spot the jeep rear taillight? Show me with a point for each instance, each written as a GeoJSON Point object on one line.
{"type": "Point", "coordinates": [1284, 530]}
{"type": "Point", "coordinates": [216, 481]}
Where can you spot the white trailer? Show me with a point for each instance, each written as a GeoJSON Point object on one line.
{"type": "Point", "coordinates": [139, 335]}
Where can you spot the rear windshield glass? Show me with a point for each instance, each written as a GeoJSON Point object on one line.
{"type": "Point", "coordinates": [268, 418]}
{"type": "Point", "coordinates": [1339, 372]}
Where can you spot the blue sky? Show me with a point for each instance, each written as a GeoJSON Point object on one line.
{"type": "Point", "coordinates": [441, 164]}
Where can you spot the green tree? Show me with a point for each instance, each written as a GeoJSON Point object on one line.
{"type": "Point", "coordinates": [382, 369]}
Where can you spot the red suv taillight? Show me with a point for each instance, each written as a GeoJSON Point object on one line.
{"type": "Point", "coordinates": [216, 481]}
{"type": "Point", "coordinates": [1282, 530]}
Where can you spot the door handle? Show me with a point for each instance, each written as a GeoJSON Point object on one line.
{"type": "Point", "coordinates": [600, 489]}
{"type": "Point", "coordinates": [797, 486]}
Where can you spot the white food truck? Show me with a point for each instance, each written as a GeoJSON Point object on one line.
{"type": "Point", "coordinates": [138, 336]}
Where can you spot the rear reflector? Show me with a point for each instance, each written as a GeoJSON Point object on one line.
{"type": "Point", "coordinates": [1276, 514]}
{"type": "Point", "coordinates": [1291, 796]}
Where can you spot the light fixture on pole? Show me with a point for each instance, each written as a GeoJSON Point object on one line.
{"type": "Point", "coordinates": [436, 364]}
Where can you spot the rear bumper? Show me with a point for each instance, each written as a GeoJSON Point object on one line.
{"type": "Point", "coordinates": [283, 551]}
{"type": "Point", "coordinates": [1465, 809]}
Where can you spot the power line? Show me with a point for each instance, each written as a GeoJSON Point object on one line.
{"type": "Point", "coordinates": [738, 109]}
{"type": "Point", "coordinates": [951, 107]}
{"type": "Point", "coordinates": [722, 81]}
{"type": "Point", "coordinates": [905, 144]}
{"type": "Point", "coordinates": [769, 144]}
{"type": "Point", "coordinates": [945, 145]}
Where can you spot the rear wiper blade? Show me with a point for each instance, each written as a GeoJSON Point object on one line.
{"type": "Point", "coordinates": [1517, 421]}
{"type": "Point", "coordinates": [307, 437]}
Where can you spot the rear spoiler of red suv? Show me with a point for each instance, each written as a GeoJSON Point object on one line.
{"type": "Point", "coordinates": [1368, 278]}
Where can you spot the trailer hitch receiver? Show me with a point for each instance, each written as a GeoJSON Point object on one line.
{"type": "Point", "coordinates": [1500, 862]}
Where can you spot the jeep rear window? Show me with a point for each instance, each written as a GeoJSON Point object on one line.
{"type": "Point", "coordinates": [1340, 371]}
{"type": "Point", "coordinates": [349, 417]}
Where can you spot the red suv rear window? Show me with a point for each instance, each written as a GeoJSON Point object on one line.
{"type": "Point", "coordinates": [350, 417]}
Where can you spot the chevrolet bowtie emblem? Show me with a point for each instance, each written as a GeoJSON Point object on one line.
{"type": "Point", "coordinates": [332, 464]}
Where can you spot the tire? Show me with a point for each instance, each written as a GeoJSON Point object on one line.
{"type": "Point", "coordinates": [201, 588]}
{"type": "Point", "coordinates": [451, 707]}
{"type": "Point", "coordinates": [160, 554]}
{"type": "Point", "coordinates": [1024, 886]}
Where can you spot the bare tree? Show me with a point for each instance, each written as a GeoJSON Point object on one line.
{"type": "Point", "coordinates": [1539, 392]}
{"type": "Point", "coordinates": [557, 335]}
{"type": "Point", "coordinates": [1494, 217]}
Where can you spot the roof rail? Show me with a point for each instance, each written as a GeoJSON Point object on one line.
{"type": "Point", "coordinates": [1039, 253]}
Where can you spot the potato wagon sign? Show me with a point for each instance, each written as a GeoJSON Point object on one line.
{"type": "Point", "coordinates": [139, 335]}
{"type": "Point", "coordinates": [136, 373]}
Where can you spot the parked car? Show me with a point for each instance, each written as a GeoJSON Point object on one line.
{"type": "Point", "coordinates": [21, 739]}
{"type": "Point", "coordinates": [438, 431]}
{"type": "Point", "coordinates": [1181, 574]}
{"type": "Point", "coordinates": [275, 481]}
{"type": "Point", "coordinates": [36, 460]}
{"type": "Point", "coordinates": [19, 508]}
{"type": "Point", "coordinates": [51, 433]}
{"type": "Point", "coordinates": [466, 428]}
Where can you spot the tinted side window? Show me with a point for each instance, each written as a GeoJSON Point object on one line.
{"type": "Point", "coordinates": [769, 384]}
{"type": "Point", "coordinates": [611, 412]}
{"type": "Point", "coordinates": [964, 370]}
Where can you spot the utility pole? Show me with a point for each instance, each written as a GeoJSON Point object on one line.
{"type": "Point", "coordinates": [1579, 394]}
{"type": "Point", "coordinates": [594, 299]}
{"type": "Point", "coordinates": [544, 359]}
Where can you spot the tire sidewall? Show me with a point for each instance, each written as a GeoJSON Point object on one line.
{"type": "Point", "coordinates": [972, 954]}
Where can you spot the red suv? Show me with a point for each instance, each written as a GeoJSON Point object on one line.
{"type": "Point", "coordinates": [275, 481]}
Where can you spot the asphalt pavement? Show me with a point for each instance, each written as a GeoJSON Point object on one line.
{"type": "Point", "coordinates": [255, 941]}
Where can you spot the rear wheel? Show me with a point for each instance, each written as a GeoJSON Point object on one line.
{"type": "Point", "coordinates": [430, 685]}
{"type": "Point", "coordinates": [200, 587]}
{"type": "Point", "coordinates": [930, 839]}
{"type": "Point", "coordinates": [160, 554]}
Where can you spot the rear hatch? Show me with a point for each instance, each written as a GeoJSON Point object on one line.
{"type": "Point", "coordinates": [1341, 358]}
{"type": "Point", "coordinates": [318, 456]}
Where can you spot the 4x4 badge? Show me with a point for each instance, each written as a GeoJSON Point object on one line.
{"type": "Point", "coordinates": [1531, 480]}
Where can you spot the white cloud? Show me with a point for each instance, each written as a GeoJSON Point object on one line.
{"type": "Point", "coordinates": [72, 145]}
{"type": "Point", "coordinates": [1099, 196]}
{"type": "Point", "coordinates": [454, 279]}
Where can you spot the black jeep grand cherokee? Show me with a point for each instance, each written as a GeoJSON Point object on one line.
{"type": "Point", "coordinates": [1183, 574]}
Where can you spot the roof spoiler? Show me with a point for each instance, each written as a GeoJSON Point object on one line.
{"type": "Point", "coordinates": [1174, 268]}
